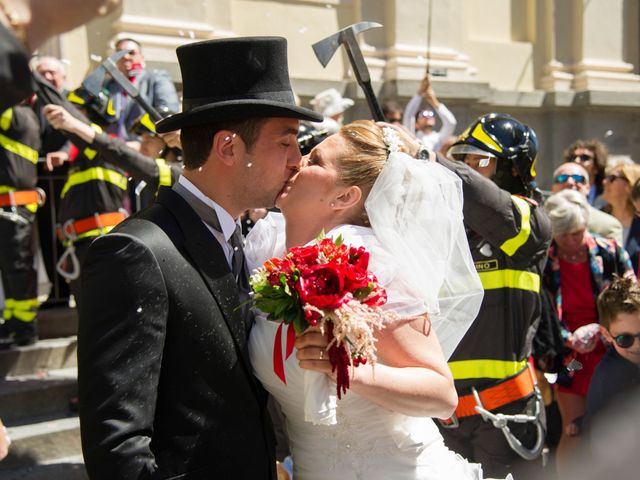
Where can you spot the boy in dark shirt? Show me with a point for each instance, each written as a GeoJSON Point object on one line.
{"type": "Point", "coordinates": [619, 371]}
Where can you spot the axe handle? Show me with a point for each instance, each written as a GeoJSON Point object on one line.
{"type": "Point", "coordinates": [374, 106]}
{"type": "Point", "coordinates": [153, 113]}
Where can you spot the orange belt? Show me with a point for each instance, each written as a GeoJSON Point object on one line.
{"type": "Point", "coordinates": [515, 388]}
{"type": "Point", "coordinates": [20, 197]}
{"type": "Point", "coordinates": [73, 228]}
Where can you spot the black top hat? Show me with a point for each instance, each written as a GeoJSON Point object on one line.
{"type": "Point", "coordinates": [232, 79]}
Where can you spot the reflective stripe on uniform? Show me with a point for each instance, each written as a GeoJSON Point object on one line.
{"type": "Point", "coordinates": [165, 172]}
{"type": "Point", "coordinates": [19, 149]}
{"type": "Point", "coordinates": [511, 246]}
{"type": "Point", "coordinates": [95, 173]}
{"type": "Point", "coordinates": [520, 279]}
{"type": "Point", "coordinates": [24, 310]}
{"type": "Point", "coordinates": [88, 152]}
{"type": "Point", "coordinates": [96, 232]}
{"type": "Point", "coordinates": [5, 119]}
{"type": "Point", "coordinates": [467, 369]}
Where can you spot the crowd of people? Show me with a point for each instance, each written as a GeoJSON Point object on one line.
{"type": "Point", "coordinates": [533, 299]}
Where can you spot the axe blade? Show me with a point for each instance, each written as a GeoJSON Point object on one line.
{"type": "Point", "coordinates": [325, 49]}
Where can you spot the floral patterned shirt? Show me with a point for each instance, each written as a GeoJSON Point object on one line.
{"type": "Point", "coordinates": [606, 258]}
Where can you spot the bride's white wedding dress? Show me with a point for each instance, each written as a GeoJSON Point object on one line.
{"type": "Point", "coordinates": [367, 441]}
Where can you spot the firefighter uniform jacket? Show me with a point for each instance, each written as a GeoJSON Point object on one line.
{"type": "Point", "coordinates": [93, 185]}
{"type": "Point", "coordinates": [19, 145]}
{"type": "Point", "coordinates": [155, 172]}
{"type": "Point", "coordinates": [509, 237]}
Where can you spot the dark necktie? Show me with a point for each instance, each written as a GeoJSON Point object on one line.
{"type": "Point", "coordinates": [208, 215]}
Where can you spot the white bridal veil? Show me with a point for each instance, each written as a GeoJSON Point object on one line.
{"type": "Point", "coordinates": [415, 211]}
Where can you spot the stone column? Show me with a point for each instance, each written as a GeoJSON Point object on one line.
{"type": "Point", "coordinates": [413, 38]}
{"type": "Point", "coordinates": [555, 24]}
{"type": "Point", "coordinates": [600, 61]}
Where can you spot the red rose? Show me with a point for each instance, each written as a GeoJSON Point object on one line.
{"type": "Point", "coordinates": [359, 257]}
{"type": "Point", "coordinates": [304, 256]}
{"type": "Point", "coordinates": [322, 285]}
{"type": "Point", "coordinates": [355, 278]}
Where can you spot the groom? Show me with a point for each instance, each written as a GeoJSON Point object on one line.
{"type": "Point", "coordinates": [166, 388]}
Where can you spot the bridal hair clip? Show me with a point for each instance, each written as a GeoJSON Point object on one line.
{"type": "Point", "coordinates": [391, 139]}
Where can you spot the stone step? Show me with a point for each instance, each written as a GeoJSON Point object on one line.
{"type": "Point", "coordinates": [25, 397]}
{"type": "Point", "coordinates": [70, 468]}
{"type": "Point", "coordinates": [45, 355]}
{"type": "Point", "coordinates": [42, 442]}
{"type": "Point", "coordinates": [57, 322]}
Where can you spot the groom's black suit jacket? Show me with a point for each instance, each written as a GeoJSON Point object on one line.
{"type": "Point", "coordinates": [166, 388]}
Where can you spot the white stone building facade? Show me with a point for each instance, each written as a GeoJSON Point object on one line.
{"type": "Point", "coordinates": [569, 68]}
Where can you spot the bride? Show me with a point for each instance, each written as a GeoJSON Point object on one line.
{"type": "Point", "coordinates": [408, 215]}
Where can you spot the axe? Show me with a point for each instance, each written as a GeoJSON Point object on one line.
{"type": "Point", "coordinates": [324, 50]}
{"type": "Point", "coordinates": [112, 69]}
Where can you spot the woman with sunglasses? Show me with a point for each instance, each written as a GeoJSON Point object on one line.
{"type": "Point", "coordinates": [618, 184]}
{"type": "Point", "coordinates": [579, 267]}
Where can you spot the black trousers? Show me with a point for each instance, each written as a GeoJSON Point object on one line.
{"type": "Point", "coordinates": [50, 246]}
{"type": "Point", "coordinates": [480, 442]}
{"type": "Point", "coordinates": [17, 263]}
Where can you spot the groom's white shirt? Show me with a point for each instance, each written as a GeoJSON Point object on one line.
{"type": "Point", "coordinates": [227, 223]}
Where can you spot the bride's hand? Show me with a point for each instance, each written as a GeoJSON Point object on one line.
{"type": "Point", "coordinates": [312, 352]}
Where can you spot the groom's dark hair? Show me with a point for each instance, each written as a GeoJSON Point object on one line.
{"type": "Point", "coordinates": [197, 139]}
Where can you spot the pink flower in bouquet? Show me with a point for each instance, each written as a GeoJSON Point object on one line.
{"type": "Point", "coordinates": [323, 285]}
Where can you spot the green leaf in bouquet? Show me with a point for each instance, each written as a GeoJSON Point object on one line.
{"type": "Point", "coordinates": [321, 235]}
{"type": "Point", "coordinates": [362, 293]}
{"type": "Point", "coordinates": [339, 240]}
{"type": "Point", "coordinates": [299, 322]}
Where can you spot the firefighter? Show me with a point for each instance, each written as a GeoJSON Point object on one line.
{"type": "Point", "coordinates": [509, 236]}
{"type": "Point", "coordinates": [147, 166]}
{"type": "Point", "coordinates": [92, 199]}
{"type": "Point", "coordinates": [19, 201]}
{"type": "Point", "coordinates": [156, 163]}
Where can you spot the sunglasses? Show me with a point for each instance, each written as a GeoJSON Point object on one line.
{"type": "Point", "coordinates": [564, 178]}
{"type": "Point", "coordinates": [426, 114]}
{"type": "Point", "coordinates": [625, 340]}
{"type": "Point", "coordinates": [582, 158]}
{"type": "Point", "coordinates": [613, 177]}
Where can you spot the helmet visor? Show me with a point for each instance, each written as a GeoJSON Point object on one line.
{"type": "Point", "coordinates": [460, 150]}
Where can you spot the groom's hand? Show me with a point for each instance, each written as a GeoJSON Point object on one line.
{"type": "Point", "coordinates": [311, 352]}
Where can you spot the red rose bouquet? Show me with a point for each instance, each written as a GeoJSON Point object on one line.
{"type": "Point", "coordinates": [326, 284]}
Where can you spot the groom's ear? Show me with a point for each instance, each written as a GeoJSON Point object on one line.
{"type": "Point", "coordinates": [349, 197]}
{"type": "Point", "coordinates": [224, 146]}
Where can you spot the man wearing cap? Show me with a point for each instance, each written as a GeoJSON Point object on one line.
{"type": "Point", "coordinates": [166, 389]}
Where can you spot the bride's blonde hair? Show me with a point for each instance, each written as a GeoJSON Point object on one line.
{"type": "Point", "coordinates": [366, 156]}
